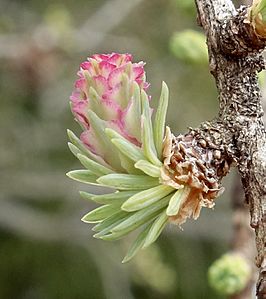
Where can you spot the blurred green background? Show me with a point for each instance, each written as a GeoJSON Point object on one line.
{"type": "Point", "coordinates": [46, 252]}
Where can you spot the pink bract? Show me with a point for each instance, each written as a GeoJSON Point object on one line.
{"type": "Point", "coordinates": [106, 87]}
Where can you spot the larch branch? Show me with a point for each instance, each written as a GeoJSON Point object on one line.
{"type": "Point", "coordinates": [235, 59]}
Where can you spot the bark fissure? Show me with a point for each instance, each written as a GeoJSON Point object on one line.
{"type": "Point", "coordinates": [235, 59]}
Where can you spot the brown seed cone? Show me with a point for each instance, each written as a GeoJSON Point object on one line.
{"type": "Point", "coordinates": [194, 161]}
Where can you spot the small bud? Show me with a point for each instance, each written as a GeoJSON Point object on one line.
{"type": "Point", "coordinates": [229, 274]}
{"type": "Point", "coordinates": [190, 47]}
{"type": "Point", "coordinates": [257, 17]}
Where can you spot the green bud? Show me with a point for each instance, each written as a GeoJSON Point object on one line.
{"type": "Point", "coordinates": [259, 7]}
{"type": "Point", "coordinates": [190, 47]}
{"type": "Point", "coordinates": [257, 17]}
{"type": "Point", "coordinates": [229, 274]}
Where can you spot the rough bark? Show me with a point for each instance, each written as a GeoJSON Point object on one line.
{"type": "Point", "coordinates": [235, 58]}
